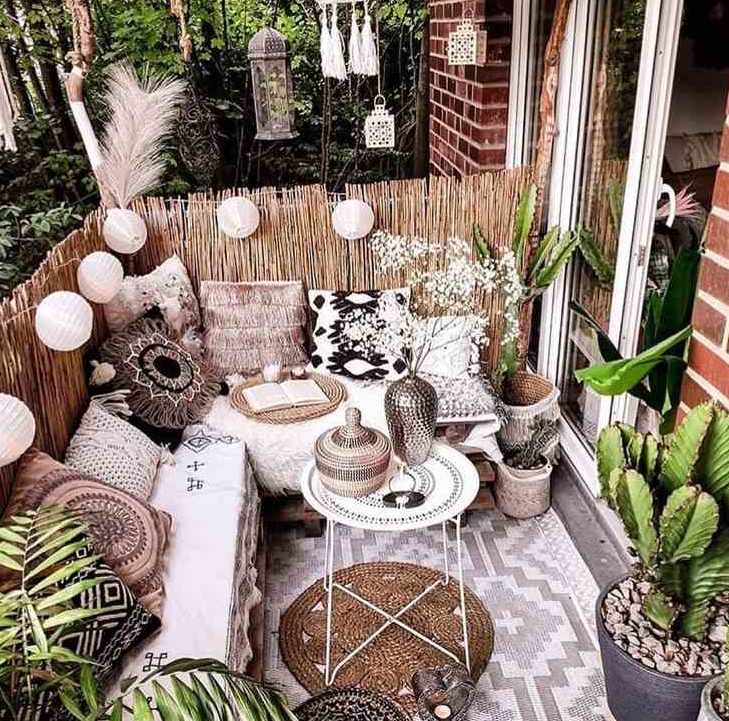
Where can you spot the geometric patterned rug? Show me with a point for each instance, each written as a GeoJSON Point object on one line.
{"type": "Point", "coordinates": [538, 590]}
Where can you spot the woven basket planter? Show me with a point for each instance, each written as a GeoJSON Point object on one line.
{"type": "Point", "coordinates": [528, 397]}
{"type": "Point", "coordinates": [523, 493]}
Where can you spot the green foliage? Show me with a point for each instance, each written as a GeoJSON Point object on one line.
{"type": "Point", "coordinates": [671, 514]}
{"type": "Point", "coordinates": [602, 268]}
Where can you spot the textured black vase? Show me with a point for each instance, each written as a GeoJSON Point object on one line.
{"type": "Point", "coordinates": [411, 409]}
{"type": "Point", "coordinates": [638, 693]}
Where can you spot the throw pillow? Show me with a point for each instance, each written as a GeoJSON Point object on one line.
{"type": "Point", "coordinates": [113, 451]}
{"type": "Point", "coordinates": [452, 352]}
{"type": "Point", "coordinates": [167, 387]}
{"type": "Point", "coordinates": [332, 350]}
{"type": "Point", "coordinates": [130, 534]}
{"type": "Point", "coordinates": [466, 399]}
{"type": "Point", "coordinates": [248, 325]}
{"type": "Point", "coordinates": [167, 288]}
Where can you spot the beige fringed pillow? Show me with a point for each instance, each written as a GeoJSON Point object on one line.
{"type": "Point", "coordinates": [250, 324]}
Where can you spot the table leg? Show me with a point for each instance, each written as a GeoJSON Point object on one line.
{"type": "Point", "coordinates": [462, 592]}
{"type": "Point", "coordinates": [329, 587]}
{"type": "Point", "coordinates": [445, 553]}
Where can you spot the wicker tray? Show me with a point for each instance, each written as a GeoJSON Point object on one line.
{"type": "Point", "coordinates": [334, 390]}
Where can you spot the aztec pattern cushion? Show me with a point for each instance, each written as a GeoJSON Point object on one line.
{"type": "Point", "coordinates": [114, 452]}
{"type": "Point", "coordinates": [130, 534]}
{"type": "Point", "coordinates": [332, 352]}
{"type": "Point", "coordinates": [210, 575]}
{"type": "Point", "coordinates": [167, 288]}
{"type": "Point", "coordinates": [248, 325]}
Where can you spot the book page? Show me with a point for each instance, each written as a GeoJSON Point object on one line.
{"type": "Point", "coordinates": [304, 392]}
{"type": "Point", "coordinates": [266, 397]}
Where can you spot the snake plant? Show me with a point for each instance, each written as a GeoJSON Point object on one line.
{"type": "Point", "coordinates": [673, 499]}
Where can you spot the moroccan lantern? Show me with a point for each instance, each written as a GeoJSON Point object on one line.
{"type": "Point", "coordinates": [467, 44]}
{"type": "Point", "coordinates": [273, 91]}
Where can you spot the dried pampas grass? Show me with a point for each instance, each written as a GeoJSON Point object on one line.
{"type": "Point", "coordinates": [142, 113]}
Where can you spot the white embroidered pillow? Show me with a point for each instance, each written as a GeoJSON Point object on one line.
{"type": "Point", "coordinates": [453, 352]}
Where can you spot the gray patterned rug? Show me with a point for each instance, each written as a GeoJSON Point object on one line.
{"type": "Point", "coordinates": [545, 665]}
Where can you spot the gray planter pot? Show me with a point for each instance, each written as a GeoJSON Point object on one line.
{"type": "Point", "coordinates": [707, 712]}
{"type": "Point", "coordinates": [638, 693]}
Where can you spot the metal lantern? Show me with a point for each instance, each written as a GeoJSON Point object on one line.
{"type": "Point", "coordinates": [379, 126]}
{"type": "Point", "coordinates": [273, 91]}
{"type": "Point", "coordinates": [467, 44]}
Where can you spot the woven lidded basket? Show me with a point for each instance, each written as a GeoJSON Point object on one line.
{"type": "Point", "coordinates": [352, 460]}
{"type": "Point", "coordinates": [523, 493]}
{"type": "Point", "coordinates": [527, 389]}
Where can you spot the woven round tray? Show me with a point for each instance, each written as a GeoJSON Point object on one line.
{"type": "Point", "coordinates": [353, 704]}
{"type": "Point", "coordinates": [334, 390]}
{"type": "Point", "coordinates": [388, 663]}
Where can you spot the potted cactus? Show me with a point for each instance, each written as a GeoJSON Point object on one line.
{"type": "Point", "coordinates": [661, 628]}
{"type": "Point", "coordinates": [715, 697]}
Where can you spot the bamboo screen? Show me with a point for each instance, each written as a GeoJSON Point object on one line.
{"type": "Point", "coordinates": [294, 241]}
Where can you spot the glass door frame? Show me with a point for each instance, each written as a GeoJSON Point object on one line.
{"type": "Point", "coordinates": [655, 81]}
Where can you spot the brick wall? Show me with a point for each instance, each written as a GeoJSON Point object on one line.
{"type": "Point", "coordinates": [708, 372]}
{"type": "Point", "coordinates": [469, 104]}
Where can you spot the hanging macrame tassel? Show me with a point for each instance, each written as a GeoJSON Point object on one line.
{"type": "Point", "coordinates": [370, 64]}
{"type": "Point", "coordinates": [325, 44]}
{"type": "Point", "coordinates": [339, 67]}
{"type": "Point", "coordinates": [355, 45]}
{"type": "Point", "coordinates": [8, 110]}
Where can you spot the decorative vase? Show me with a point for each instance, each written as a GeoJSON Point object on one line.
{"type": "Point", "coordinates": [352, 460]}
{"type": "Point", "coordinates": [411, 410]}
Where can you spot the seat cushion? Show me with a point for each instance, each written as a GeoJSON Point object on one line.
{"type": "Point", "coordinates": [131, 535]}
{"type": "Point", "coordinates": [248, 325]}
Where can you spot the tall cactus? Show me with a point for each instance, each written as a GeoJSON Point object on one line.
{"type": "Point", "coordinates": [673, 499]}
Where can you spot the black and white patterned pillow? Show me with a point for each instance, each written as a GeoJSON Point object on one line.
{"type": "Point", "coordinates": [331, 352]}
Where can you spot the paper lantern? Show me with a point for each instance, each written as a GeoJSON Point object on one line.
{"type": "Point", "coordinates": [17, 428]}
{"type": "Point", "coordinates": [238, 217]}
{"type": "Point", "coordinates": [124, 230]}
{"type": "Point", "coordinates": [353, 219]}
{"type": "Point", "coordinates": [64, 320]}
{"type": "Point", "coordinates": [100, 276]}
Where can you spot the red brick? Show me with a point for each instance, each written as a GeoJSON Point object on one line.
{"type": "Point", "coordinates": [708, 321]}
{"type": "Point", "coordinates": [714, 280]}
{"type": "Point", "coordinates": [709, 365]}
{"type": "Point", "coordinates": [717, 235]}
{"type": "Point", "coordinates": [724, 151]}
{"type": "Point", "coordinates": [692, 393]}
{"type": "Point", "coordinates": [721, 190]}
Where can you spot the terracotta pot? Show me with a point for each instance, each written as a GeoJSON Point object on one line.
{"type": "Point", "coordinates": [638, 693]}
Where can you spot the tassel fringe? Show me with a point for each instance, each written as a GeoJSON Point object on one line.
{"type": "Point", "coordinates": [370, 63]}
{"type": "Point", "coordinates": [338, 66]}
{"type": "Point", "coordinates": [355, 46]}
{"type": "Point", "coordinates": [114, 403]}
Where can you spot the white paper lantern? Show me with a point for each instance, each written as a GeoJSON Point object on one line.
{"type": "Point", "coordinates": [124, 230]}
{"type": "Point", "coordinates": [17, 428]}
{"type": "Point", "coordinates": [353, 219]}
{"type": "Point", "coordinates": [64, 320]}
{"type": "Point", "coordinates": [238, 217]}
{"type": "Point", "coordinates": [100, 276]}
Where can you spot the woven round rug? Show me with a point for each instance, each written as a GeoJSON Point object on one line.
{"type": "Point", "coordinates": [387, 665]}
{"type": "Point", "coordinates": [354, 704]}
{"type": "Point", "coordinates": [334, 390]}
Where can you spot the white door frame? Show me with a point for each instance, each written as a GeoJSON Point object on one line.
{"type": "Point", "coordinates": [658, 53]}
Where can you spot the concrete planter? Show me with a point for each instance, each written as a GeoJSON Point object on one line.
{"type": "Point", "coordinates": [638, 693]}
{"type": "Point", "coordinates": [707, 712]}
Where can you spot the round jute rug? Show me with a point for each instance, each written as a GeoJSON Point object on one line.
{"type": "Point", "coordinates": [388, 663]}
{"type": "Point", "coordinates": [353, 704]}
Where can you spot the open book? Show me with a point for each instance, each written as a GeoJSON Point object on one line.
{"type": "Point", "coordinates": [272, 396]}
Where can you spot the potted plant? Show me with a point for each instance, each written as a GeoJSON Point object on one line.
{"type": "Point", "coordinates": [524, 273]}
{"type": "Point", "coordinates": [715, 696]}
{"type": "Point", "coordinates": [661, 627]}
{"type": "Point", "coordinates": [523, 478]}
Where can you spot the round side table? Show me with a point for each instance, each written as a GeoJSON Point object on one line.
{"type": "Point", "coordinates": [449, 482]}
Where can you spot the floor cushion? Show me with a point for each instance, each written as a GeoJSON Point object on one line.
{"type": "Point", "coordinates": [210, 574]}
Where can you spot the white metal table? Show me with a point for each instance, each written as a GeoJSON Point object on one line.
{"type": "Point", "coordinates": [449, 482]}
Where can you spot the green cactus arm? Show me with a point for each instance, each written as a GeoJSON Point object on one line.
{"type": "Point", "coordinates": [671, 579]}
{"type": "Point", "coordinates": [634, 501]}
{"type": "Point", "coordinates": [687, 524]}
{"type": "Point", "coordinates": [649, 458]}
{"type": "Point", "coordinates": [682, 454]}
{"type": "Point", "coordinates": [694, 620]}
{"type": "Point", "coordinates": [660, 609]}
{"type": "Point", "coordinates": [713, 471]}
{"type": "Point", "coordinates": [610, 456]}
{"type": "Point", "coordinates": [635, 451]}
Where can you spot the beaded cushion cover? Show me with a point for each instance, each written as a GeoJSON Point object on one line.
{"type": "Point", "coordinates": [131, 535]}
{"type": "Point", "coordinates": [114, 452]}
{"type": "Point", "coordinates": [248, 325]}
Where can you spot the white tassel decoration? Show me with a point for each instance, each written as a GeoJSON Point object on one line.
{"type": "Point", "coordinates": [325, 44]}
{"type": "Point", "coordinates": [8, 110]}
{"type": "Point", "coordinates": [339, 67]}
{"type": "Point", "coordinates": [370, 63]}
{"type": "Point", "coordinates": [355, 46]}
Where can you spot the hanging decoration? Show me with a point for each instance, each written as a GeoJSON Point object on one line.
{"type": "Point", "coordinates": [238, 217]}
{"type": "Point", "coordinates": [8, 110]}
{"type": "Point", "coordinates": [379, 126]}
{"type": "Point", "coordinates": [361, 48]}
{"type": "Point", "coordinates": [273, 92]}
{"type": "Point", "coordinates": [197, 136]}
{"type": "Point", "coordinates": [64, 321]}
{"type": "Point", "coordinates": [331, 43]}
{"type": "Point", "coordinates": [353, 219]}
{"type": "Point", "coordinates": [370, 61]}
{"type": "Point", "coordinates": [17, 428]}
{"type": "Point", "coordinates": [100, 276]}
{"type": "Point", "coordinates": [467, 44]}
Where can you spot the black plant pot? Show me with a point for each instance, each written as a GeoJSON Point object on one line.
{"type": "Point", "coordinates": [638, 693]}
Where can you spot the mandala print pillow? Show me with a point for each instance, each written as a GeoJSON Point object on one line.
{"type": "Point", "coordinates": [332, 351]}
